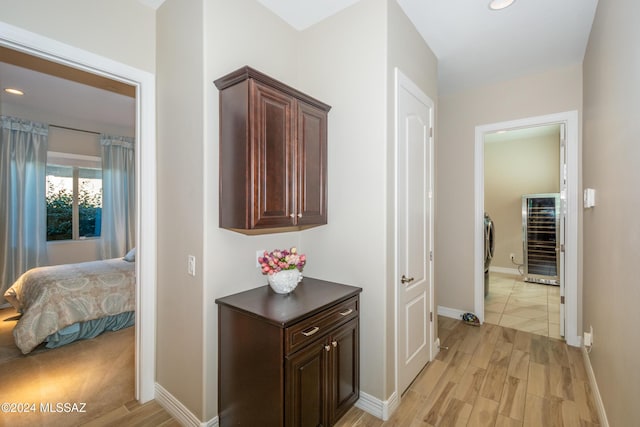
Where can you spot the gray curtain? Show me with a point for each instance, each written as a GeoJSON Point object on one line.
{"type": "Point", "coordinates": [23, 208]}
{"type": "Point", "coordinates": [118, 196]}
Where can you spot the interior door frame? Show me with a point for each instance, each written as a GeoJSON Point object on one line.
{"type": "Point", "coordinates": [570, 120]}
{"type": "Point", "coordinates": [34, 44]}
{"type": "Point", "coordinates": [403, 81]}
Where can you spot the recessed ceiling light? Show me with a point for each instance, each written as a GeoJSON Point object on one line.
{"type": "Point", "coordinates": [500, 4]}
{"type": "Point", "coordinates": [13, 91]}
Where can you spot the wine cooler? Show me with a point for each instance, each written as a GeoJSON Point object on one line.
{"type": "Point", "coordinates": [541, 239]}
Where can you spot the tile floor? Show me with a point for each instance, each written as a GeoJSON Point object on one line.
{"type": "Point", "coordinates": [524, 306]}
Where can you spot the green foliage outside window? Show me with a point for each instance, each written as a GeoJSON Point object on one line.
{"type": "Point", "coordinates": [60, 212]}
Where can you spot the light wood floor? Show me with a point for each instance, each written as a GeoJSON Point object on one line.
{"type": "Point", "coordinates": [97, 375]}
{"type": "Point", "coordinates": [494, 376]}
{"type": "Point", "coordinates": [489, 376]}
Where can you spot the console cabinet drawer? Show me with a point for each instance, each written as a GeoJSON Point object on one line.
{"type": "Point", "coordinates": [317, 326]}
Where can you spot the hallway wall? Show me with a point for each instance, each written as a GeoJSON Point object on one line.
{"type": "Point", "coordinates": [611, 228]}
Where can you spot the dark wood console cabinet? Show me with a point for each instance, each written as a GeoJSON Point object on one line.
{"type": "Point", "coordinates": [273, 155]}
{"type": "Point", "coordinates": [288, 360]}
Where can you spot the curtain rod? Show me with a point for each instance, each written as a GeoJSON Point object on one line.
{"type": "Point", "coordinates": [77, 130]}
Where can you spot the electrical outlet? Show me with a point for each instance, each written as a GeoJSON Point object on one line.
{"type": "Point", "coordinates": [259, 254]}
{"type": "Point", "coordinates": [191, 265]}
{"type": "Point", "coordinates": [588, 337]}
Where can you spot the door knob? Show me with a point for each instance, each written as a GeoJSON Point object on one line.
{"type": "Point", "coordinates": [405, 279]}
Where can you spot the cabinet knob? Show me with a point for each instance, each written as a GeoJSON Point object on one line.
{"type": "Point", "coordinates": [327, 347]}
{"type": "Point", "coordinates": [299, 215]}
{"type": "Point", "coordinates": [292, 215]}
{"type": "Point", "coordinates": [334, 343]}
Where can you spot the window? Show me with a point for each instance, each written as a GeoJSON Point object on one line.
{"type": "Point", "coordinates": [74, 196]}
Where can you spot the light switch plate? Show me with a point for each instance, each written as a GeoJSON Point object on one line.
{"type": "Point", "coordinates": [191, 265]}
{"type": "Point", "coordinates": [589, 197]}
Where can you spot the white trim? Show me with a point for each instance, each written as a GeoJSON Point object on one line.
{"type": "Point", "coordinates": [452, 313]}
{"type": "Point", "coordinates": [180, 412]}
{"type": "Point", "coordinates": [44, 47]}
{"type": "Point", "coordinates": [505, 270]}
{"type": "Point", "coordinates": [401, 80]}
{"type": "Point", "coordinates": [602, 414]}
{"type": "Point", "coordinates": [570, 119]}
{"type": "Point", "coordinates": [377, 407]}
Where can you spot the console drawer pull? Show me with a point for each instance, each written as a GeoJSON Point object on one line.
{"type": "Point", "coordinates": [346, 313]}
{"type": "Point", "coordinates": [311, 331]}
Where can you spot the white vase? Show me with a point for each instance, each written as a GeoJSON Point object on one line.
{"type": "Point", "coordinates": [284, 281]}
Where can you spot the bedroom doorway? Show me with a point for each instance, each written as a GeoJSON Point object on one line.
{"type": "Point", "coordinates": [570, 266]}
{"type": "Point", "coordinates": [143, 83]}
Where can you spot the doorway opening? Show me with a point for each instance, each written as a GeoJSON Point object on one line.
{"type": "Point", "coordinates": [569, 194]}
{"type": "Point", "coordinates": [522, 184]}
{"type": "Point", "coordinates": [144, 83]}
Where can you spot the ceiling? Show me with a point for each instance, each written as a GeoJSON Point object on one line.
{"type": "Point", "coordinates": [65, 96]}
{"type": "Point", "coordinates": [474, 47]}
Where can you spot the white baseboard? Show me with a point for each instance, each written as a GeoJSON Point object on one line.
{"type": "Point", "coordinates": [179, 411]}
{"type": "Point", "coordinates": [450, 312]}
{"type": "Point", "coordinates": [376, 407]}
{"type": "Point", "coordinates": [505, 270]}
{"type": "Point", "coordinates": [604, 422]}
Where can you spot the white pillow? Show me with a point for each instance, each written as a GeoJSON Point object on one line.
{"type": "Point", "coordinates": [130, 256]}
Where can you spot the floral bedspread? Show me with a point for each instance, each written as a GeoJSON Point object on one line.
{"type": "Point", "coordinates": [51, 298]}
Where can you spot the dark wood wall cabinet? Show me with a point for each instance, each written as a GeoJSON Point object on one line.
{"type": "Point", "coordinates": [273, 155]}
{"type": "Point", "coordinates": [288, 360]}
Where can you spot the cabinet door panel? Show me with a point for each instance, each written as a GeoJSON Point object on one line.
{"type": "Point", "coordinates": [307, 394]}
{"type": "Point", "coordinates": [345, 369]}
{"type": "Point", "coordinates": [312, 164]}
{"type": "Point", "coordinates": [272, 155]}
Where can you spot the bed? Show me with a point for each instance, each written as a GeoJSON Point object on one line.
{"type": "Point", "coordinates": [64, 303]}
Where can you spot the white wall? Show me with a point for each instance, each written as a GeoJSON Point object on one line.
{"type": "Point", "coordinates": [199, 42]}
{"type": "Point", "coordinates": [122, 30]}
{"type": "Point", "coordinates": [611, 228]}
{"type": "Point", "coordinates": [181, 197]}
{"type": "Point", "coordinates": [554, 91]}
{"type": "Point", "coordinates": [344, 60]}
{"type": "Point", "coordinates": [360, 88]}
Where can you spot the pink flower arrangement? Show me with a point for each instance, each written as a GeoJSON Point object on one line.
{"type": "Point", "coordinates": [281, 259]}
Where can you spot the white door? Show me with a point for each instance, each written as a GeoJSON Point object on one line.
{"type": "Point", "coordinates": [562, 221]}
{"type": "Point", "coordinates": [414, 207]}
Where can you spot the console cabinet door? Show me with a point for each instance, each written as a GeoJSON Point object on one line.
{"type": "Point", "coordinates": [306, 387]}
{"type": "Point", "coordinates": [345, 370]}
{"type": "Point", "coordinates": [272, 153]}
